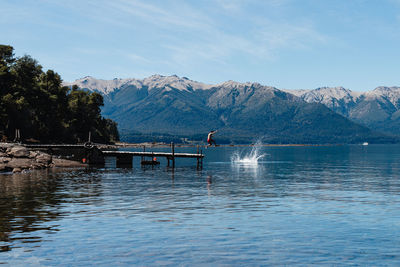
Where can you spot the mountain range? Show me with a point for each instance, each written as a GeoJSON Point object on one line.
{"type": "Point", "coordinates": [377, 109]}
{"type": "Point", "coordinates": [243, 112]}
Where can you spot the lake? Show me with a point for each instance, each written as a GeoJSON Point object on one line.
{"type": "Point", "coordinates": [298, 205]}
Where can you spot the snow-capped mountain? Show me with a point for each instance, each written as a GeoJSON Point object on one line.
{"type": "Point", "coordinates": [329, 95]}
{"type": "Point", "coordinates": [175, 105]}
{"type": "Point", "coordinates": [382, 93]}
{"type": "Point", "coordinates": [378, 109]}
{"type": "Point", "coordinates": [106, 87]}
{"type": "Point", "coordinates": [338, 99]}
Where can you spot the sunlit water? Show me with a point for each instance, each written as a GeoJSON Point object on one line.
{"type": "Point", "coordinates": [335, 205]}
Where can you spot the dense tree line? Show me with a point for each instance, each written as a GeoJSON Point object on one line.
{"type": "Point", "coordinates": [36, 104]}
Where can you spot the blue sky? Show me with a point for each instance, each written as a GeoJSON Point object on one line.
{"type": "Point", "coordinates": [291, 44]}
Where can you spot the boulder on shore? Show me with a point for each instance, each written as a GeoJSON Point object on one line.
{"type": "Point", "coordinates": [67, 163]}
{"type": "Point", "coordinates": [18, 152]}
{"type": "Point", "coordinates": [22, 163]}
{"type": "Point", "coordinates": [4, 159]}
{"type": "Point", "coordinates": [43, 158]}
{"type": "Point", "coordinates": [17, 158]}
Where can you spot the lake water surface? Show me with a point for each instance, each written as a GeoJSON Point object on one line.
{"type": "Point", "coordinates": [325, 205]}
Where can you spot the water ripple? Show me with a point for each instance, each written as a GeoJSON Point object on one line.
{"type": "Point", "coordinates": [300, 205]}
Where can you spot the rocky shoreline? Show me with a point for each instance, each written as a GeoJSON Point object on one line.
{"type": "Point", "coordinates": [17, 158]}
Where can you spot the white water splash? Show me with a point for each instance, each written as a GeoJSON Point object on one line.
{"type": "Point", "coordinates": [250, 158]}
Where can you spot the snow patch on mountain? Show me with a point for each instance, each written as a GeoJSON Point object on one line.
{"type": "Point", "coordinates": [233, 84]}
{"type": "Point", "coordinates": [155, 81]}
{"type": "Point", "coordinates": [102, 86]}
{"type": "Point", "coordinates": [391, 94]}
{"type": "Point", "coordinates": [296, 92]}
{"type": "Point", "coordinates": [328, 95]}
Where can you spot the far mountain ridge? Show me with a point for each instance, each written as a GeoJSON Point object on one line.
{"type": "Point", "coordinates": [156, 80]}
{"type": "Point", "coordinates": [377, 109]}
{"type": "Point", "coordinates": [175, 105]}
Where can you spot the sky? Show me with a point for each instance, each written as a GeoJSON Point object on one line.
{"type": "Point", "coordinates": [289, 44]}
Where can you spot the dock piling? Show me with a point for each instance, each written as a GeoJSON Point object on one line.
{"type": "Point", "coordinates": [173, 154]}
{"type": "Point", "coordinates": [201, 158]}
{"type": "Point", "coordinates": [198, 161]}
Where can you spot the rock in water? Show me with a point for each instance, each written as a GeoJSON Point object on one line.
{"type": "Point", "coordinates": [17, 170]}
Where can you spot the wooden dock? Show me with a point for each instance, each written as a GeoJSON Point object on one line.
{"type": "Point", "coordinates": [125, 158]}
{"type": "Point", "coordinates": [91, 154]}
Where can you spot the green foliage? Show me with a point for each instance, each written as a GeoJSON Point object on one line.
{"type": "Point", "coordinates": [36, 103]}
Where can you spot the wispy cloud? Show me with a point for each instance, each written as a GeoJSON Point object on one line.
{"type": "Point", "coordinates": [180, 33]}
{"type": "Point", "coordinates": [191, 31]}
{"type": "Point", "coordinates": [248, 37]}
{"type": "Point", "coordinates": [181, 16]}
{"type": "Point", "coordinates": [205, 37]}
{"type": "Point", "coordinates": [231, 5]}
{"type": "Point", "coordinates": [238, 5]}
{"type": "Point", "coordinates": [137, 58]}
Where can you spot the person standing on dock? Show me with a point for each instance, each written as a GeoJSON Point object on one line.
{"type": "Point", "coordinates": [210, 139]}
